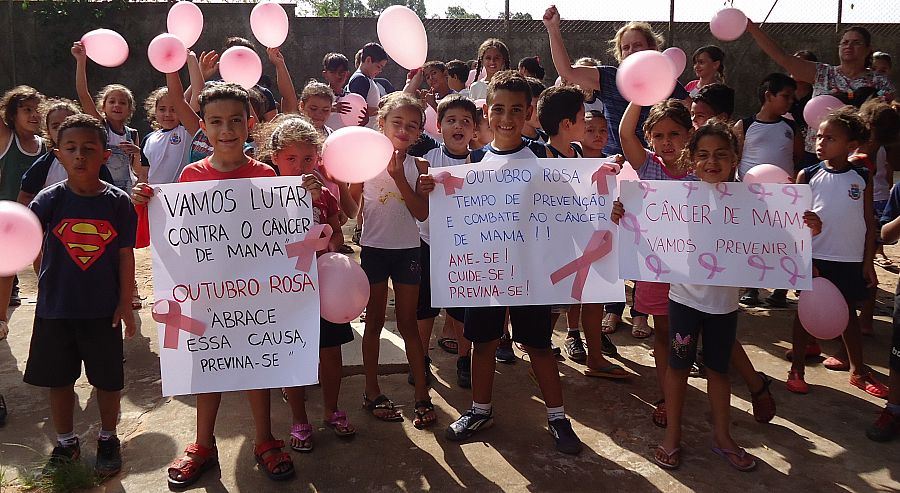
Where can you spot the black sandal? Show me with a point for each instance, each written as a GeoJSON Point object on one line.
{"type": "Point", "coordinates": [422, 408]}
{"type": "Point", "coordinates": [449, 345]}
{"type": "Point", "coordinates": [761, 412]}
{"type": "Point", "coordinates": [382, 402]}
{"type": "Point", "coordinates": [2, 411]}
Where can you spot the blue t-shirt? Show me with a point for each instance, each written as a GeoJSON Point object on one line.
{"type": "Point", "coordinates": [892, 209]}
{"type": "Point", "coordinates": [79, 275]}
{"type": "Point", "coordinates": [35, 177]}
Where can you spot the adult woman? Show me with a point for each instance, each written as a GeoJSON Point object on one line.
{"type": "Point", "coordinates": [709, 65]}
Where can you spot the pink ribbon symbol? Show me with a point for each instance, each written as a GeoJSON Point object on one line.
{"type": "Point", "coordinates": [646, 188]}
{"type": "Point", "coordinates": [691, 186]}
{"type": "Point", "coordinates": [791, 191]}
{"type": "Point", "coordinates": [709, 262]}
{"type": "Point", "coordinates": [451, 183]}
{"type": "Point", "coordinates": [168, 312]}
{"type": "Point", "coordinates": [794, 271]}
{"type": "Point", "coordinates": [306, 248]}
{"type": "Point", "coordinates": [722, 188]}
{"type": "Point", "coordinates": [655, 264]}
{"type": "Point", "coordinates": [599, 177]}
{"type": "Point", "coordinates": [757, 262]}
{"type": "Point", "coordinates": [759, 190]}
{"type": "Point", "coordinates": [630, 222]}
{"type": "Point", "coordinates": [598, 247]}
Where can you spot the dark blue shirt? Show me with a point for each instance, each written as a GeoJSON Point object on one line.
{"type": "Point", "coordinates": [79, 275]}
{"type": "Point", "coordinates": [892, 209]}
{"type": "Point", "coordinates": [34, 178]}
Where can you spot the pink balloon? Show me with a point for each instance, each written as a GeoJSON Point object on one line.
{"type": "Point", "coordinates": [559, 82]}
{"type": "Point", "coordinates": [105, 47]}
{"type": "Point", "coordinates": [357, 105]}
{"type": "Point", "coordinates": [185, 20]}
{"type": "Point", "coordinates": [479, 103]}
{"type": "Point", "coordinates": [431, 122]}
{"type": "Point", "coordinates": [646, 78]}
{"type": "Point", "coordinates": [823, 310]}
{"type": "Point", "coordinates": [20, 237]}
{"type": "Point", "coordinates": [167, 53]}
{"type": "Point", "coordinates": [240, 65]}
{"type": "Point", "coordinates": [627, 173]}
{"type": "Point", "coordinates": [403, 37]}
{"type": "Point", "coordinates": [343, 288]}
{"type": "Point", "coordinates": [356, 154]}
{"type": "Point", "coordinates": [678, 59]}
{"type": "Point", "coordinates": [728, 24]}
{"type": "Point", "coordinates": [818, 108]}
{"type": "Point", "coordinates": [766, 173]}
{"type": "Point", "coordinates": [269, 23]}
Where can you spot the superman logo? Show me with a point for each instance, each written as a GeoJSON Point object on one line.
{"type": "Point", "coordinates": [85, 239]}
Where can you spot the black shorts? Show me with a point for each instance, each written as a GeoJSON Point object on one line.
{"type": "Point", "coordinates": [687, 325]}
{"type": "Point", "coordinates": [402, 265]}
{"type": "Point", "coordinates": [424, 310]}
{"type": "Point", "coordinates": [846, 276]}
{"type": "Point", "coordinates": [530, 324]}
{"type": "Point", "coordinates": [895, 338]}
{"type": "Point", "coordinates": [332, 334]}
{"type": "Point", "coordinates": [59, 346]}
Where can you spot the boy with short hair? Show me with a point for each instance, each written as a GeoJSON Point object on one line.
{"type": "Point", "coordinates": [89, 238]}
{"type": "Point", "coordinates": [434, 74]}
{"type": "Point", "coordinates": [457, 74]}
{"type": "Point", "coordinates": [714, 100]}
{"type": "Point", "coordinates": [508, 107]}
{"type": "Point", "coordinates": [372, 59]}
{"type": "Point", "coordinates": [596, 134]}
{"type": "Point", "coordinates": [335, 71]}
{"type": "Point", "coordinates": [532, 129]}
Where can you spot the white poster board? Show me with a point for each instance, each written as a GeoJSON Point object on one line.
{"type": "Point", "coordinates": [727, 234]}
{"type": "Point", "coordinates": [237, 303]}
{"type": "Point", "coordinates": [524, 232]}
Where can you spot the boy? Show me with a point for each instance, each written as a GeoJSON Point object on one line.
{"type": "Point", "coordinates": [596, 134]}
{"type": "Point", "coordinates": [226, 122]}
{"type": "Point", "coordinates": [532, 128]}
{"type": "Point", "coordinates": [89, 241]}
{"type": "Point", "coordinates": [714, 100]}
{"type": "Point", "coordinates": [508, 107]}
{"type": "Point", "coordinates": [434, 73]}
{"type": "Point", "coordinates": [372, 60]}
{"type": "Point", "coordinates": [768, 137]}
{"type": "Point", "coordinates": [335, 71]}
{"type": "Point", "coordinates": [457, 74]}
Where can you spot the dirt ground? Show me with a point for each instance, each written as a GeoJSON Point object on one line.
{"type": "Point", "coordinates": [816, 443]}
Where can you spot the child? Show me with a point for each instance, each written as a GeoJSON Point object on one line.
{"type": "Point", "coordinates": [434, 74]}
{"type": "Point", "coordinates": [709, 66]}
{"type": "Point", "coordinates": [226, 122]}
{"type": "Point", "coordinates": [457, 73]}
{"type": "Point", "coordinates": [493, 56]}
{"type": "Point", "coordinates": [483, 133]}
{"type": "Point", "coordinates": [335, 71]}
{"type": "Point", "coordinates": [372, 60]}
{"type": "Point", "coordinates": [294, 146]}
{"type": "Point", "coordinates": [114, 107]}
{"type": "Point", "coordinates": [316, 101]}
{"type": "Point", "coordinates": [165, 150]}
{"type": "Point", "coordinates": [390, 249]}
{"type": "Point", "coordinates": [508, 107]}
{"type": "Point", "coordinates": [843, 253]}
{"type": "Point", "coordinates": [769, 138]}
{"type": "Point", "coordinates": [75, 326]}
{"type": "Point", "coordinates": [596, 133]}
{"type": "Point", "coordinates": [882, 63]}
{"type": "Point", "coordinates": [532, 129]}
{"type": "Point", "coordinates": [712, 101]}
{"type": "Point", "coordinates": [707, 311]}
{"type": "Point", "coordinates": [530, 66]}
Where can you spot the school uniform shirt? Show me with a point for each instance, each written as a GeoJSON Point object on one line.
{"type": "Point", "coordinates": [119, 163]}
{"type": "Point", "coordinates": [201, 148]}
{"type": "Point", "coordinates": [361, 84]}
{"type": "Point", "coordinates": [715, 300]}
{"type": "Point", "coordinates": [838, 198]}
{"type": "Point", "coordinates": [79, 275]}
{"type": "Point", "coordinates": [389, 224]}
{"type": "Point", "coordinates": [165, 152]}
{"type": "Point", "coordinates": [767, 143]}
{"type": "Point", "coordinates": [202, 171]}
{"type": "Point", "coordinates": [47, 171]}
{"type": "Point", "coordinates": [334, 120]}
{"type": "Point", "coordinates": [653, 168]}
{"type": "Point", "coordinates": [528, 149]}
{"type": "Point", "coordinates": [478, 90]}
{"type": "Point", "coordinates": [881, 189]}
{"type": "Point", "coordinates": [14, 161]}
{"type": "Point", "coordinates": [438, 158]}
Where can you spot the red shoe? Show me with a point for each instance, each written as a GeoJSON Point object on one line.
{"type": "Point", "coordinates": [871, 386]}
{"type": "Point", "coordinates": [836, 364]}
{"type": "Point", "coordinates": [795, 383]}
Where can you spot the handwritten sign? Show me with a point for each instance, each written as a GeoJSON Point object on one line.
{"type": "Point", "coordinates": [524, 232]}
{"type": "Point", "coordinates": [724, 234]}
{"type": "Point", "coordinates": [236, 285]}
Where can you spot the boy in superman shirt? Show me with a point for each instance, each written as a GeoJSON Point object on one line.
{"type": "Point", "coordinates": [89, 239]}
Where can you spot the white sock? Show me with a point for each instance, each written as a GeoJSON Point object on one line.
{"type": "Point", "coordinates": [556, 413]}
{"type": "Point", "coordinates": [106, 435]}
{"type": "Point", "coordinates": [484, 409]}
{"type": "Point", "coordinates": [67, 439]}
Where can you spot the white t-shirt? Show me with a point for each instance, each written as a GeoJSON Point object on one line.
{"type": "Point", "coordinates": [715, 300]}
{"type": "Point", "coordinates": [838, 198]}
{"type": "Point", "coordinates": [881, 189]}
{"type": "Point", "coordinates": [56, 173]}
{"type": "Point", "coordinates": [438, 158]}
{"type": "Point", "coordinates": [167, 153]}
{"type": "Point", "coordinates": [373, 95]}
{"type": "Point", "coordinates": [478, 90]}
{"type": "Point", "coordinates": [389, 224]}
{"type": "Point", "coordinates": [767, 143]}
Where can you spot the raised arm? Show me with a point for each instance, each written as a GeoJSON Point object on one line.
{"type": "Point", "coordinates": [186, 114]}
{"type": "Point", "coordinates": [587, 77]}
{"type": "Point", "coordinates": [413, 82]}
{"type": "Point", "coordinates": [289, 103]}
{"type": "Point", "coordinates": [800, 69]}
{"type": "Point", "coordinates": [632, 148]}
{"type": "Point", "coordinates": [81, 83]}
{"type": "Point", "coordinates": [192, 94]}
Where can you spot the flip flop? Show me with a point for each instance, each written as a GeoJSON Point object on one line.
{"type": "Point", "coordinates": [449, 345]}
{"type": "Point", "coordinates": [641, 330]}
{"type": "Point", "coordinates": [607, 326]}
{"type": "Point", "coordinates": [834, 364]}
{"type": "Point", "coordinates": [674, 456]}
{"type": "Point", "coordinates": [739, 454]}
{"type": "Point", "coordinates": [611, 371]}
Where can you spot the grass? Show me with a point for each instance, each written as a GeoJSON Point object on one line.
{"type": "Point", "coordinates": [63, 478]}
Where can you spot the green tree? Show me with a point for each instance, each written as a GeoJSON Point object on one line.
{"type": "Point", "coordinates": [457, 12]}
{"type": "Point", "coordinates": [331, 8]}
{"type": "Point", "coordinates": [517, 16]}
{"type": "Point", "coordinates": [377, 6]}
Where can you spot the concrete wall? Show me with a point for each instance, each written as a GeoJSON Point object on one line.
{"type": "Point", "coordinates": [35, 47]}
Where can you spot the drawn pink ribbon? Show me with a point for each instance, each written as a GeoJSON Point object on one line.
{"type": "Point", "coordinates": [656, 266]}
{"type": "Point", "coordinates": [757, 262]}
{"type": "Point", "coordinates": [794, 272]}
{"type": "Point", "coordinates": [451, 183]}
{"type": "Point", "coordinates": [691, 186]}
{"type": "Point", "coordinates": [791, 191]}
{"type": "Point", "coordinates": [599, 177]}
{"type": "Point", "coordinates": [710, 262]}
{"type": "Point", "coordinates": [646, 188]}
{"type": "Point", "coordinates": [758, 190]}
{"type": "Point", "coordinates": [598, 247]}
{"type": "Point", "coordinates": [630, 222]}
{"type": "Point", "coordinates": [305, 249]}
{"type": "Point", "coordinates": [722, 188]}
{"type": "Point", "coordinates": [168, 312]}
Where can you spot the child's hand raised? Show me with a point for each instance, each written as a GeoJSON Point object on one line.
{"type": "Point", "coordinates": [618, 210]}
{"type": "Point", "coordinates": [129, 148]}
{"type": "Point", "coordinates": [551, 18]}
{"type": "Point", "coordinates": [813, 222]}
{"type": "Point", "coordinates": [275, 56]}
{"type": "Point", "coordinates": [141, 194]}
{"type": "Point", "coordinates": [313, 185]}
{"type": "Point", "coordinates": [209, 63]}
{"type": "Point", "coordinates": [78, 51]}
{"type": "Point", "coordinates": [395, 167]}
{"type": "Point", "coordinates": [430, 98]}
{"type": "Point", "coordinates": [426, 184]}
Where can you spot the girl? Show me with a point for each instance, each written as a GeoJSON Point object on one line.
{"type": "Point", "coordinates": [709, 65]}
{"type": "Point", "coordinates": [596, 133]}
{"type": "Point", "coordinates": [165, 149]}
{"type": "Point", "coordinates": [294, 146]}
{"type": "Point", "coordinates": [47, 170]}
{"type": "Point", "coordinates": [530, 66]}
{"type": "Point", "coordinates": [843, 253]}
{"type": "Point", "coordinates": [493, 56]}
{"type": "Point", "coordinates": [315, 103]}
{"type": "Point", "coordinates": [390, 249]}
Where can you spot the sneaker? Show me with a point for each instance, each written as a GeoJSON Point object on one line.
{"type": "Point", "coordinates": [464, 372]}
{"type": "Point", "coordinates": [468, 424]}
{"type": "Point", "coordinates": [567, 441]}
{"type": "Point", "coordinates": [504, 353]}
{"type": "Point", "coordinates": [14, 299]}
{"type": "Point", "coordinates": [357, 233]}
{"type": "Point", "coordinates": [575, 349]}
{"type": "Point", "coordinates": [885, 428]}
{"type": "Point", "coordinates": [62, 454]}
{"type": "Point", "coordinates": [778, 299]}
{"type": "Point", "coordinates": [607, 348]}
{"type": "Point", "coordinates": [109, 457]}
{"type": "Point", "coordinates": [750, 298]}
{"type": "Point", "coordinates": [556, 350]}
{"type": "Point", "coordinates": [795, 383]}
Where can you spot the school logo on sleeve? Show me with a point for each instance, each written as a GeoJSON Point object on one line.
{"type": "Point", "coordinates": [855, 193]}
{"type": "Point", "coordinates": [85, 239]}
{"type": "Point", "coordinates": [175, 139]}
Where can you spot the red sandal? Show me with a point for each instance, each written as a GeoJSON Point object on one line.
{"type": "Point", "coordinates": [271, 463]}
{"type": "Point", "coordinates": [189, 469]}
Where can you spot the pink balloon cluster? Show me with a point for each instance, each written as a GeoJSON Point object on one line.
{"type": "Point", "coordinates": [167, 53]}
{"type": "Point", "coordinates": [646, 77]}
{"type": "Point", "coordinates": [403, 37]}
{"type": "Point", "coordinates": [343, 288]}
{"type": "Point", "coordinates": [21, 236]}
{"type": "Point", "coordinates": [105, 47]}
{"type": "Point", "coordinates": [728, 24]}
{"type": "Point", "coordinates": [269, 23]}
{"type": "Point", "coordinates": [356, 154]}
{"type": "Point", "coordinates": [185, 20]}
{"type": "Point", "coordinates": [823, 311]}
{"type": "Point", "coordinates": [240, 65]}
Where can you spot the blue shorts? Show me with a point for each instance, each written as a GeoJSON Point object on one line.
{"type": "Point", "coordinates": [402, 265]}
